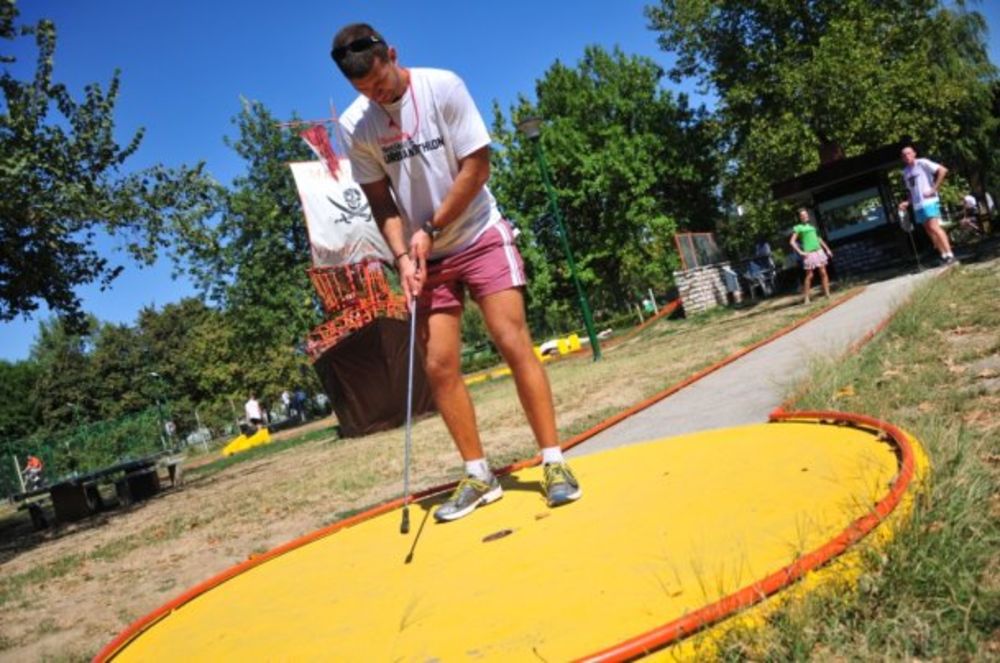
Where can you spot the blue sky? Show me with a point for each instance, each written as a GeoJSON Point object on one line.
{"type": "Point", "coordinates": [184, 66]}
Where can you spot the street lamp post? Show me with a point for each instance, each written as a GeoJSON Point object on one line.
{"type": "Point", "coordinates": [159, 409]}
{"type": "Point", "coordinates": [531, 129]}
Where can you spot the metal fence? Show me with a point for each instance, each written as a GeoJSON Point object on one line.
{"type": "Point", "coordinates": [84, 448]}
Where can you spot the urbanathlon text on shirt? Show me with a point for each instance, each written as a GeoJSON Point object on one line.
{"type": "Point", "coordinates": [400, 151]}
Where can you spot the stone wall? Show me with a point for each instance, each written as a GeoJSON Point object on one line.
{"type": "Point", "coordinates": [876, 251]}
{"type": "Point", "coordinates": [702, 288]}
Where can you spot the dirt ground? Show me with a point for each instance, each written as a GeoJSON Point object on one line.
{"type": "Point", "coordinates": [68, 590]}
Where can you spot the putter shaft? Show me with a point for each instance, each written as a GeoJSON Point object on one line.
{"type": "Point", "coordinates": [405, 525]}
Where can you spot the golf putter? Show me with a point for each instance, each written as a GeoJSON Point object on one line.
{"type": "Point", "coordinates": [404, 526]}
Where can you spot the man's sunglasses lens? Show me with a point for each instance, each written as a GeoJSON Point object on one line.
{"type": "Point", "coordinates": [355, 46]}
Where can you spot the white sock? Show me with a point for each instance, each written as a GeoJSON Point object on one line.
{"type": "Point", "coordinates": [552, 455]}
{"type": "Point", "coordinates": [478, 469]}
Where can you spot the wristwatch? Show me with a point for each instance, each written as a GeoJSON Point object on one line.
{"type": "Point", "coordinates": [430, 229]}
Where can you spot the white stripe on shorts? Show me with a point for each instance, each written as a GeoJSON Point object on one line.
{"type": "Point", "coordinates": [517, 278]}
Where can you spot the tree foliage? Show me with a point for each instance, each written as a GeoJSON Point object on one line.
{"type": "Point", "coordinates": [184, 357]}
{"type": "Point", "coordinates": [253, 260]}
{"type": "Point", "coordinates": [61, 184]}
{"type": "Point", "coordinates": [631, 164]}
{"type": "Point", "coordinates": [792, 75]}
{"type": "Point", "coordinates": [18, 413]}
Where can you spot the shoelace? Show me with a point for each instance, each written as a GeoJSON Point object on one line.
{"type": "Point", "coordinates": [468, 482]}
{"type": "Point", "coordinates": [557, 473]}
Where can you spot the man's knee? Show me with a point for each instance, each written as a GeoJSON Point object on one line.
{"type": "Point", "coordinates": [440, 370]}
{"type": "Point", "coordinates": [513, 340]}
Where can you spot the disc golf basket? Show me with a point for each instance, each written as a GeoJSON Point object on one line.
{"type": "Point", "coordinates": [352, 296]}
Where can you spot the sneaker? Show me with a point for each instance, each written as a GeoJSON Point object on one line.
{"type": "Point", "coordinates": [469, 494]}
{"type": "Point", "coordinates": [951, 260]}
{"type": "Point", "coordinates": [561, 487]}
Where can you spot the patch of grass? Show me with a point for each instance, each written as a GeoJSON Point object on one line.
{"type": "Point", "coordinates": [46, 626]}
{"type": "Point", "coordinates": [66, 657]}
{"type": "Point", "coordinates": [13, 586]}
{"type": "Point", "coordinates": [263, 451]}
{"type": "Point", "coordinates": [587, 422]}
{"type": "Point", "coordinates": [934, 592]}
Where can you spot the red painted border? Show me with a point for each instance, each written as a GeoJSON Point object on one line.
{"type": "Point", "coordinates": [143, 623]}
{"type": "Point", "coordinates": [672, 632]}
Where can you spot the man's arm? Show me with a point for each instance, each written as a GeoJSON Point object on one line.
{"type": "Point", "coordinates": [386, 214]}
{"type": "Point", "coordinates": [473, 173]}
{"type": "Point", "coordinates": [939, 177]}
{"type": "Point", "coordinates": [390, 224]}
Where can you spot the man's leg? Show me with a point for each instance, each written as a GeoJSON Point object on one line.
{"type": "Point", "coordinates": [441, 335]}
{"type": "Point", "coordinates": [939, 238]}
{"type": "Point", "coordinates": [503, 313]}
{"type": "Point", "coordinates": [935, 224]}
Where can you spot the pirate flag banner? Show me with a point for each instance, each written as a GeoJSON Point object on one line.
{"type": "Point", "coordinates": [319, 142]}
{"type": "Point", "coordinates": [341, 228]}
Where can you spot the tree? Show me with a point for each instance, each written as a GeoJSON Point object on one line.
{"type": "Point", "coordinates": [61, 184]}
{"type": "Point", "coordinates": [18, 414]}
{"type": "Point", "coordinates": [792, 76]}
{"type": "Point", "coordinates": [117, 371]}
{"type": "Point", "coordinates": [63, 391]}
{"type": "Point", "coordinates": [631, 164]}
{"type": "Point", "coordinates": [253, 262]}
{"type": "Point", "coordinates": [195, 351]}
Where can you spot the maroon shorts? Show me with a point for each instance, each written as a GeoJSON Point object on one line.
{"type": "Point", "coordinates": [490, 264]}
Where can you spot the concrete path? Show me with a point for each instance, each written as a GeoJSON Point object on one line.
{"type": "Point", "coordinates": [747, 390]}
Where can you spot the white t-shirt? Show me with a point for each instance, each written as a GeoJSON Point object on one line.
{"type": "Point", "coordinates": [417, 143]}
{"type": "Point", "coordinates": [919, 178]}
{"type": "Point", "coordinates": [252, 409]}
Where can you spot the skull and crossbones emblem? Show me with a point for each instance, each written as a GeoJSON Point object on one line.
{"type": "Point", "coordinates": [354, 208]}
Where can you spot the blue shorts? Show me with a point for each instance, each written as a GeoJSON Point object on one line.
{"type": "Point", "coordinates": [928, 211]}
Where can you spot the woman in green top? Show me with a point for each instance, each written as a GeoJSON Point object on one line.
{"type": "Point", "coordinates": [813, 250]}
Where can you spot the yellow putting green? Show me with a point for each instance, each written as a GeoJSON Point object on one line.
{"type": "Point", "coordinates": [663, 529]}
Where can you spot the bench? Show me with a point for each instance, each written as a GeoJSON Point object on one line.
{"type": "Point", "coordinates": [78, 497]}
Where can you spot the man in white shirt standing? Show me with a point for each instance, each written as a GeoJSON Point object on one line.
{"type": "Point", "coordinates": [420, 151]}
{"type": "Point", "coordinates": [255, 416]}
{"type": "Point", "coordinates": [923, 178]}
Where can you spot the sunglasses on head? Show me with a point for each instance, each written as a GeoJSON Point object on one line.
{"type": "Point", "coordinates": [356, 46]}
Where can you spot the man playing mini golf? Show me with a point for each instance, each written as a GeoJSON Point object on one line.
{"type": "Point", "coordinates": [420, 151]}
